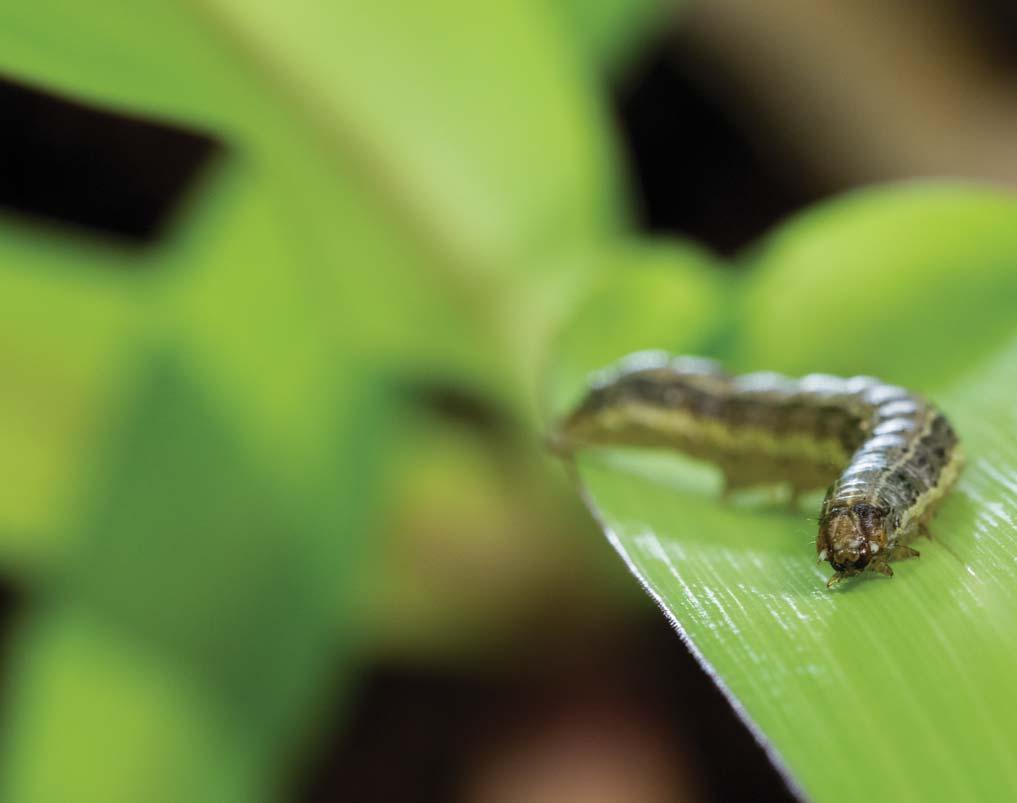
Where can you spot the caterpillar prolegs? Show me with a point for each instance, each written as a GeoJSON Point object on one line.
{"type": "Point", "coordinates": [887, 454]}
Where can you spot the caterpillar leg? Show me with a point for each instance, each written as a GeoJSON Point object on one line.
{"type": "Point", "coordinates": [797, 492]}
{"type": "Point", "coordinates": [882, 565]}
{"type": "Point", "coordinates": [728, 489]}
{"type": "Point", "coordinates": [763, 489]}
{"type": "Point", "coordinates": [902, 552]}
{"type": "Point", "coordinates": [738, 478]}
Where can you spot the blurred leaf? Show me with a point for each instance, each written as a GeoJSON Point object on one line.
{"type": "Point", "coordinates": [430, 252]}
{"type": "Point", "coordinates": [212, 575]}
{"type": "Point", "coordinates": [900, 686]}
{"type": "Point", "coordinates": [664, 295]}
{"type": "Point", "coordinates": [98, 720]}
{"type": "Point", "coordinates": [472, 119]}
{"type": "Point", "coordinates": [184, 527]}
{"type": "Point", "coordinates": [913, 284]}
{"type": "Point", "coordinates": [609, 32]}
{"type": "Point", "coordinates": [406, 190]}
{"type": "Point", "coordinates": [486, 151]}
{"type": "Point", "coordinates": [45, 430]}
{"type": "Point", "coordinates": [155, 60]}
{"type": "Point", "coordinates": [458, 581]}
{"type": "Point", "coordinates": [307, 238]}
{"type": "Point", "coordinates": [343, 229]}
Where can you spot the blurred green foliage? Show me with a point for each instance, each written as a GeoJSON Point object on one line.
{"type": "Point", "coordinates": [915, 284]}
{"type": "Point", "coordinates": [204, 442]}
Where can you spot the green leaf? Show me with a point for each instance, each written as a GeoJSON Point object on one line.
{"type": "Point", "coordinates": [897, 688]}
{"type": "Point", "coordinates": [206, 575]}
{"type": "Point", "coordinates": [912, 283]}
{"type": "Point", "coordinates": [667, 295]}
{"type": "Point", "coordinates": [96, 719]}
{"type": "Point", "coordinates": [609, 32]}
{"type": "Point", "coordinates": [439, 102]}
{"type": "Point", "coordinates": [399, 220]}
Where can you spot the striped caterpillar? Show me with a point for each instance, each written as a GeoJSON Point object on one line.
{"type": "Point", "coordinates": [887, 455]}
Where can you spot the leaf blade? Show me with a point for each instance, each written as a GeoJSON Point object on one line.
{"type": "Point", "coordinates": [901, 685]}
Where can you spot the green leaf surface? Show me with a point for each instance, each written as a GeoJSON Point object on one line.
{"type": "Point", "coordinates": [895, 688]}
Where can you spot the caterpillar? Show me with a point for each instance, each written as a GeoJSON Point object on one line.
{"type": "Point", "coordinates": [887, 455]}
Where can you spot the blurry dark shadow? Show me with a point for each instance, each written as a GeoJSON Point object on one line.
{"type": "Point", "coordinates": [416, 735]}
{"type": "Point", "coordinates": [71, 164]}
{"type": "Point", "coordinates": [995, 22]}
{"type": "Point", "coordinates": [695, 172]}
{"type": "Point", "coordinates": [10, 605]}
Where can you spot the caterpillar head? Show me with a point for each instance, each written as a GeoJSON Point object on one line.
{"type": "Point", "coordinates": [850, 536]}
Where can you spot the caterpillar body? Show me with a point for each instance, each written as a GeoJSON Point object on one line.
{"type": "Point", "coordinates": [887, 454]}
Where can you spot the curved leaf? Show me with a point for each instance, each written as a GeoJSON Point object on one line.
{"type": "Point", "coordinates": [885, 282]}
